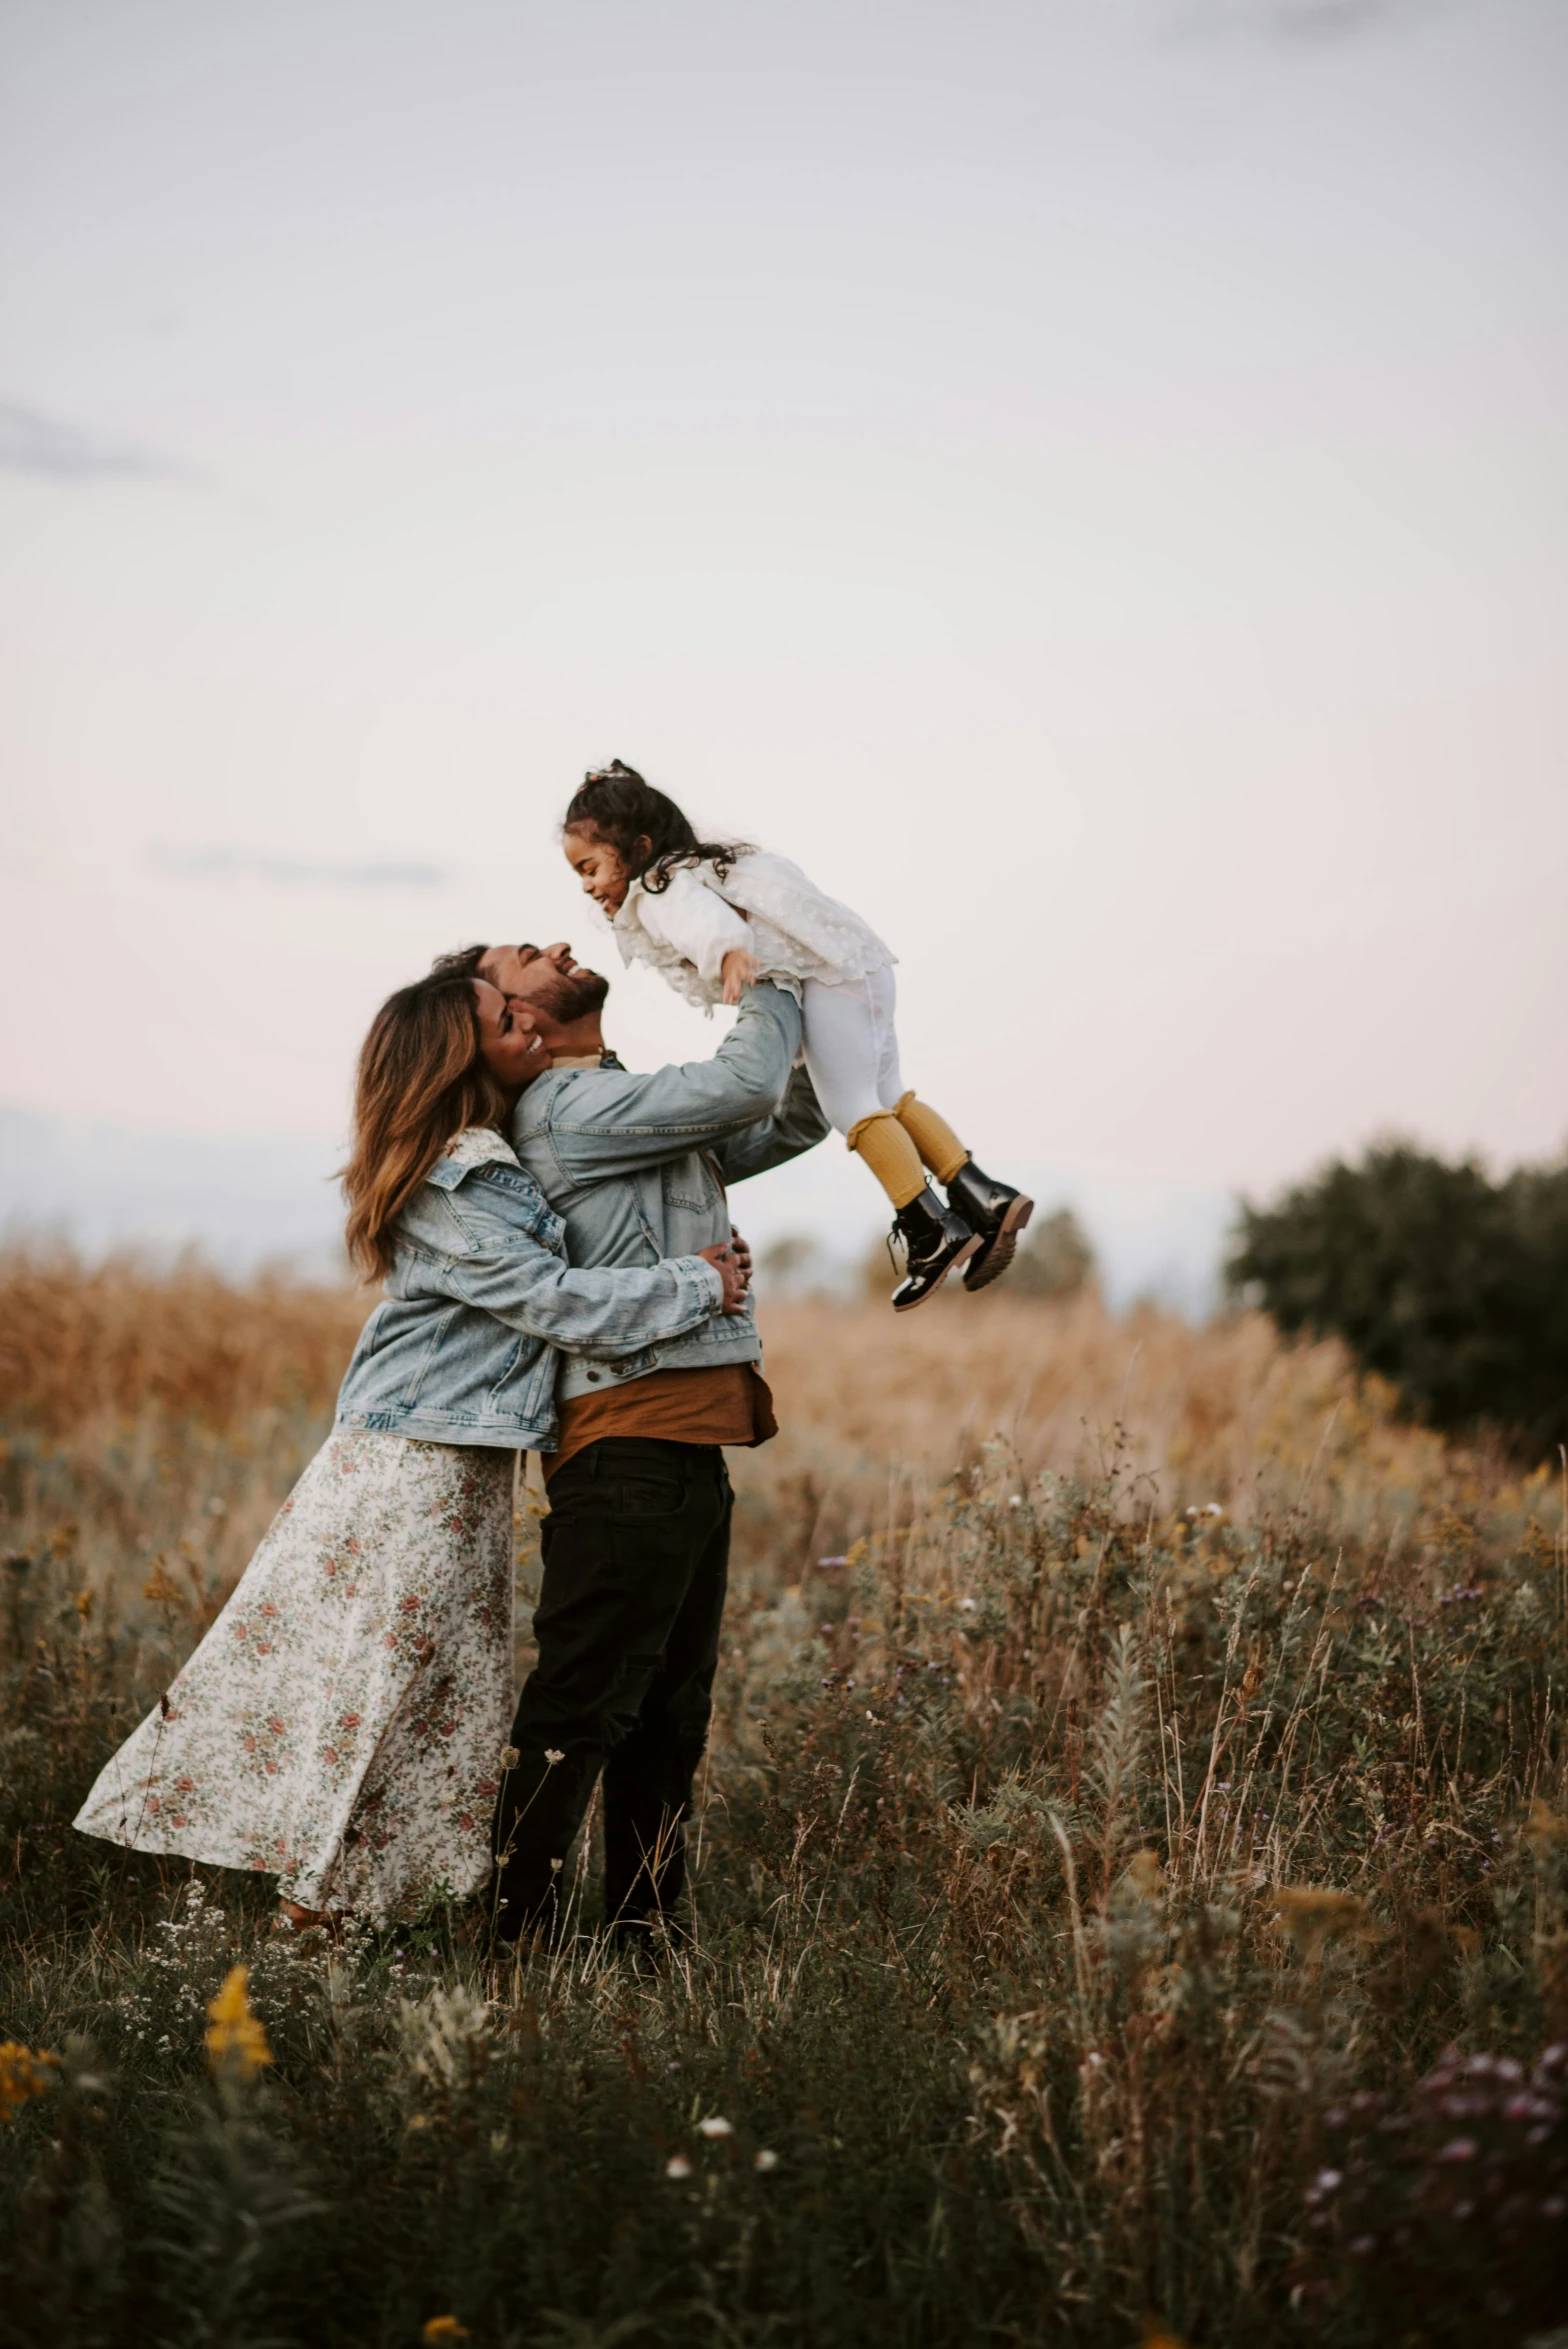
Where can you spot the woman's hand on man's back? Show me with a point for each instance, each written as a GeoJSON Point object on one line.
{"type": "Point", "coordinates": [733, 1270]}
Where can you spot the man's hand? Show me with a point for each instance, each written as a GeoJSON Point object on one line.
{"type": "Point", "coordinates": [742, 1255]}
{"type": "Point", "coordinates": [727, 1265]}
{"type": "Point", "coordinates": [738, 970]}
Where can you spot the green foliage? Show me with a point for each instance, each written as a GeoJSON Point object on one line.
{"type": "Point", "coordinates": [1450, 1285]}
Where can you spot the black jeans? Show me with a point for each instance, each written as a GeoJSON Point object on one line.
{"type": "Point", "coordinates": [636, 1557]}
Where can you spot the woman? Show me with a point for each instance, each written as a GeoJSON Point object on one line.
{"type": "Point", "coordinates": [341, 1725]}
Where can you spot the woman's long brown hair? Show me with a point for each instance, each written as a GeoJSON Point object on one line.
{"type": "Point", "coordinates": [421, 1080]}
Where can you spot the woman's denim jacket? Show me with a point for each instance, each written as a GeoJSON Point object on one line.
{"type": "Point", "coordinates": [481, 1303]}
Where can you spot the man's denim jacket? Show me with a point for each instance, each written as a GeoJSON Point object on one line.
{"type": "Point", "coordinates": [481, 1304]}
{"type": "Point", "coordinates": [637, 1166]}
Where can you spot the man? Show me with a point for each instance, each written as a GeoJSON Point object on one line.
{"type": "Point", "coordinates": [636, 1544]}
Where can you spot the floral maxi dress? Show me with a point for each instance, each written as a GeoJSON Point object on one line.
{"type": "Point", "coordinates": [342, 1723]}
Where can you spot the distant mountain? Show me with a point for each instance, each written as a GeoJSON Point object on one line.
{"type": "Point", "coordinates": [248, 1202]}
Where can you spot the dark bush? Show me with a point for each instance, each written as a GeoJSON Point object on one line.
{"type": "Point", "coordinates": [1451, 1285]}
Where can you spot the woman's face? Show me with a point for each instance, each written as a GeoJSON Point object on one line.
{"type": "Point", "coordinates": [512, 1052]}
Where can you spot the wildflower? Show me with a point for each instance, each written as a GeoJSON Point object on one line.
{"type": "Point", "coordinates": [24, 2074]}
{"type": "Point", "coordinates": [553, 1754]}
{"type": "Point", "coordinates": [510, 1757]}
{"type": "Point", "coordinates": [82, 1601]}
{"type": "Point", "coordinates": [236, 2043]}
{"type": "Point", "coordinates": [1313, 1914]}
{"type": "Point", "coordinates": [765, 2160]}
{"type": "Point", "coordinates": [444, 2328]}
{"type": "Point", "coordinates": [677, 2166]}
{"type": "Point", "coordinates": [966, 1606]}
{"type": "Point", "coordinates": [715, 2126]}
{"type": "Point", "coordinates": [1143, 1878]}
{"type": "Point", "coordinates": [1543, 1828]}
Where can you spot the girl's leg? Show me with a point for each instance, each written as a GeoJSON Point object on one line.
{"type": "Point", "coordinates": [934, 1139]}
{"type": "Point", "coordinates": [994, 1211]}
{"type": "Point", "coordinates": [852, 1056]}
{"type": "Point", "coordinates": [848, 1035]}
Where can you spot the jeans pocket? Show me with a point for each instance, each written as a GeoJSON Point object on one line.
{"type": "Point", "coordinates": [649, 1496]}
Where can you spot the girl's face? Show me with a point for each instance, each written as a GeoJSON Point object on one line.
{"type": "Point", "coordinates": [602, 870]}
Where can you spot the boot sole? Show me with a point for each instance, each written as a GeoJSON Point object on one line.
{"type": "Point", "coordinates": [996, 1259]}
{"type": "Point", "coordinates": [962, 1257]}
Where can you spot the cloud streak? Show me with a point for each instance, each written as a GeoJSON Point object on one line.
{"type": "Point", "coordinates": [36, 443]}
{"type": "Point", "coordinates": [237, 864]}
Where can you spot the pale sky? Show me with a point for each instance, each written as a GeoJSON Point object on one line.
{"type": "Point", "coordinates": [1084, 477]}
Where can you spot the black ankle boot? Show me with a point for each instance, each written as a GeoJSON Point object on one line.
{"type": "Point", "coordinates": [994, 1210]}
{"type": "Point", "coordinates": [934, 1241]}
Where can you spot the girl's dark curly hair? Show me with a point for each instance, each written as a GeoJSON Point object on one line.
{"type": "Point", "coordinates": [615, 802]}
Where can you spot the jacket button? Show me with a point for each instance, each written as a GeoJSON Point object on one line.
{"type": "Point", "coordinates": [594, 1376]}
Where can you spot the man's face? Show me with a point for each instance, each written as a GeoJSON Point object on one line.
{"type": "Point", "coordinates": [547, 978]}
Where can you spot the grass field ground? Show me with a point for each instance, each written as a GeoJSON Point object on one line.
{"type": "Point", "coordinates": [1130, 1901]}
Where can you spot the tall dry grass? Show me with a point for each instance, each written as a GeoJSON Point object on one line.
{"type": "Point", "coordinates": [88, 1346]}
{"type": "Point", "coordinates": [1139, 1758]}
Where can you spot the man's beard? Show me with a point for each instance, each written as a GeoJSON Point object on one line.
{"type": "Point", "coordinates": [572, 998]}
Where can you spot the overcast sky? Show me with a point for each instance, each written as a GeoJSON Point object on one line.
{"type": "Point", "coordinates": [1084, 477]}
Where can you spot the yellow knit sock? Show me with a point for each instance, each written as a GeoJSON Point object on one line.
{"type": "Point", "coordinates": [882, 1142]}
{"type": "Point", "coordinates": [933, 1137]}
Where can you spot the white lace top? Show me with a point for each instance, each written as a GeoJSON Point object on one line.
{"type": "Point", "coordinates": [765, 905]}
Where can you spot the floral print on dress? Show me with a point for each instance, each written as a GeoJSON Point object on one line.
{"type": "Point", "coordinates": [341, 1724]}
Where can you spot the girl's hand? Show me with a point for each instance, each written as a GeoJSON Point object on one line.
{"type": "Point", "coordinates": [728, 1266]}
{"type": "Point", "coordinates": [738, 970]}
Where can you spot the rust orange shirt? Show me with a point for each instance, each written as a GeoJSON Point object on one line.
{"type": "Point", "coordinates": [731, 1404]}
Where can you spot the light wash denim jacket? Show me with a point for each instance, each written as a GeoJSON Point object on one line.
{"type": "Point", "coordinates": [636, 1167]}
{"type": "Point", "coordinates": [481, 1304]}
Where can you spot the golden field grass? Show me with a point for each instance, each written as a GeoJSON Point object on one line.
{"type": "Point", "coordinates": [1133, 1862]}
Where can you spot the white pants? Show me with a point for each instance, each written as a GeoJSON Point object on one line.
{"type": "Point", "coordinates": [852, 1047]}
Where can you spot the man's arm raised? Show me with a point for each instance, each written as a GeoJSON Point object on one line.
{"type": "Point", "coordinates": [798, 1124]}
{"type": "Point", "coordinates": [601, 1122]}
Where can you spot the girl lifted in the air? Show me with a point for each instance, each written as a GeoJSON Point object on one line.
{"type": "Point", "coordinates": [713, 918]}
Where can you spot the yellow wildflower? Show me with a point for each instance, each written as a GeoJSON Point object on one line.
{"type": "Point", "coordinates": [24, 2074]}
{"type": "Point", "coordinates": [1543, 1828]}
{"type": "Point", "coordinates": [444, 2328]}
{"type": "Point", "coordinates": [82, 1601]}
{"type": "Point", "coordinates": [1313, 1914]}
{"type": "Point", "coordinates": [1143, 1878]}
{"type": "Point", "coordinates": [236, 2043]}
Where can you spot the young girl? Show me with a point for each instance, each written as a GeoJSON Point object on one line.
{"type": "Point", "coordinates": [713, 918]}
